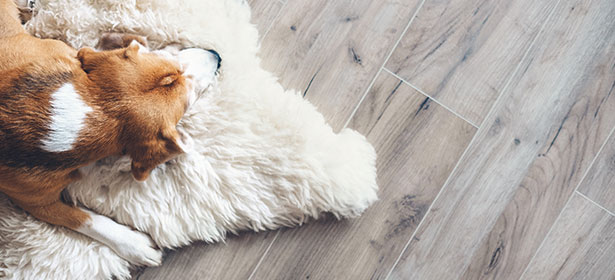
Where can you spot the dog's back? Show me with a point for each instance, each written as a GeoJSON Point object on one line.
{"type": "Point", "coordinates": [25, 99]}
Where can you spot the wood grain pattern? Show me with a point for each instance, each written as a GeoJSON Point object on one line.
{"type": "Point", "coordinates": [325, 37]}
{"type": "Point", "coordinates": [234, 259]}
{"type": "Point", "coordinates": [264, 13]}
{"type": "Point", "coordinates": [462, 53]}
{"type": "Point", "coordinates": [418, 143]}
{"type": "Point", "coordinates": [516, 177]}
{"type": "Point", "coordinates": [557, 171]}
{"type": "Point", "coordinates": [332, 50]}
{"type": "Point", "coordinates": [564, 86]}
{"type": "Point", "coordinates": [600, 186]}
{"type": "Point", "coordinates": [580, 246]}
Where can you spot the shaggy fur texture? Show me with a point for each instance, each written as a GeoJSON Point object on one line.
{"type": "Point", "coordinates": [262, 157]}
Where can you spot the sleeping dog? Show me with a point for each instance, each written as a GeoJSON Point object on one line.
{"type": "Point", "coordinates": [62, 109]}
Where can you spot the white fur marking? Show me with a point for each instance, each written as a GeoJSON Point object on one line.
{"type": "Point", "coordinates": [68, 114]}
{"type": "Point", "coordinates": [133, 246]}
{"type": "Point", "coordinates": [200, 68]}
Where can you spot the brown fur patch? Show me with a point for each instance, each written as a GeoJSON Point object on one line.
{"type": "Point", "coordinates": [137, 100]}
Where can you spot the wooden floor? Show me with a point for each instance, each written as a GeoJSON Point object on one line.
{"type": "Point", "coordinates": [493, 121]}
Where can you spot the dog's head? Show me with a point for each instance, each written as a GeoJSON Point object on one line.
{"type": "Point", "coordinates": [148, 93]}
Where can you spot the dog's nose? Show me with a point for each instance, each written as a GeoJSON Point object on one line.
{"type": "Point", "coordinates": [217, 57]}
{"type": "Point", "coordinates": [199, 64]}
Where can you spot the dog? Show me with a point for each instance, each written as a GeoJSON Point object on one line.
{"type": "Point", "coordinates": [62, 109]}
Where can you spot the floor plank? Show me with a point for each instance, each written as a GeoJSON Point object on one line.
{"type": "Point", "coordinates": [462, 53]}
{"type": "Point", "coordinates": [235, 259]}
{"type": "Point", "coordinates": [264, 13]}
{"type": "Point", "coordinates": [332, 50]}
{"type": "Point", "coordinates": [563, 85]}
{"type": "Point", "coordinates": [321, 39]}
{"type": "Point", "coordinates": [505, 251]}
{"type": "Point", "coordinates": [601, 178]}
{"type": "Point", "coordinates": [418, 143]}
{"type": "Point", "coordinates": [580, 246]}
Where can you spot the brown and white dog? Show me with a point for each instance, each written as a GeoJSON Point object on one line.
{"type": "Point", "coordinates": [62, 109]}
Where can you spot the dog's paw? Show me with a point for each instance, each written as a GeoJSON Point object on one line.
{"type": "Point", "coordinates": [134, 246]}
{"type": "Point", "coordinates": [138, 249]}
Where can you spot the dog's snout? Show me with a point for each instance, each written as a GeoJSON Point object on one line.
{"type": "Point", "coordinates": [200, 66]}
{"type": "Point", "coordinates": [216, 57]}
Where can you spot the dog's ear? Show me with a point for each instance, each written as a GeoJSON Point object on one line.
{"type": "Point", "coordinates": [114, 40]}
{"type": "Point", "coordinates": [84, 52]}
{"type": "Point", "coordinates": [134, 48]}
{"type": "Point", "coordinates": [87, 58]}
{"type": "Point", "coordinates": [146, 156]}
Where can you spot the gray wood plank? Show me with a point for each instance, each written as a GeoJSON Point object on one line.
{"type": "Point", "coordinates": [601, 178]}
{"type": "Point", "coordinates": [264, 14]}
{"type": "Point", "coordinates": [345, 78]}
{"type": "Point", "coordinates": [580, 246]}
{"type": "Point", "coordinates": [553, 120]}
{"type": "Point", "coordinates": [462, 53]}
{"type": "Point", "coordinates": [234, 259]}
{"type": "Point", "coordinates": [418, 143]}
{"type": "Point", "coordinates": [332, 50]}
{"type": "Point", "coordinates": [560, 165]}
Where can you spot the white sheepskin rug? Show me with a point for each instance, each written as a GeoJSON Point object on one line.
{"type": "Point", "coordinates": [263, 157]}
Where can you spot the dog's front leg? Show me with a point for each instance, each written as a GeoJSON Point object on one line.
{"type": "Point", "coordinates": [133, 246]}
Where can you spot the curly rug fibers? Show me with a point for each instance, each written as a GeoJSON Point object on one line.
{"type": "Point", "coordinates": [263, 157]}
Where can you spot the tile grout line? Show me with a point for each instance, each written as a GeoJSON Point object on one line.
{"type": "Point", "coordinates": [277, 15]}
{"type": "Point", "coordinates": [595, 203]}
{"type": "Point", "coordinates": [354, 110]}
{"type": "Point", "coordinates": [351, 115]}
{"type": "Point", "coordinates": [568, 202]}
{"type": "Point", "coordinates": [523, 59]}
{"type": "Point", "coordinates": [428, 96]}
{"type": "Point", "coordinates": [527, 52]}
{"type": "Point", "coordinates": [489, 113]}
{"type": "Point", "coordinates": [264, 254]}
{"type": "Point", "coordinates": [431, 205]}
{"type": "Point", "coordinates": [369, 87]}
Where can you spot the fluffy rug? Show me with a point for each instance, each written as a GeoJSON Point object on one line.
{"type": "Point", "coordinates": [263, 157]}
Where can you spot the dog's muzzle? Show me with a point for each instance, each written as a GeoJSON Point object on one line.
{"type": "Point", "coordinates": [200, 66]}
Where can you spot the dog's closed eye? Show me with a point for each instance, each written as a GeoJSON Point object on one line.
{"type": "Point", "coordinates": [168, 80]}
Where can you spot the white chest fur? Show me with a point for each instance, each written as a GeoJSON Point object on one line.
{"type": "Point", "coordinates": [68, 114]}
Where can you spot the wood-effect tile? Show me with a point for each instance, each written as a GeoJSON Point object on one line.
{"type": "Point", "coordinates": [463, 52]}
{"type": "Point", "coordinates": [528, 158]}
{"type": "Point", "coordinates": [600, 186]}
{"type": "Point", "coordinates": [580, 246]}
{"type": "Point", "coordinates": [236, 258]}
{"type": "Point", "coordinates": [331, 51]}
{"type": "Point", "coordinates": [264, 13]}
{"type": "Point", "coordinates": [418, 143]}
